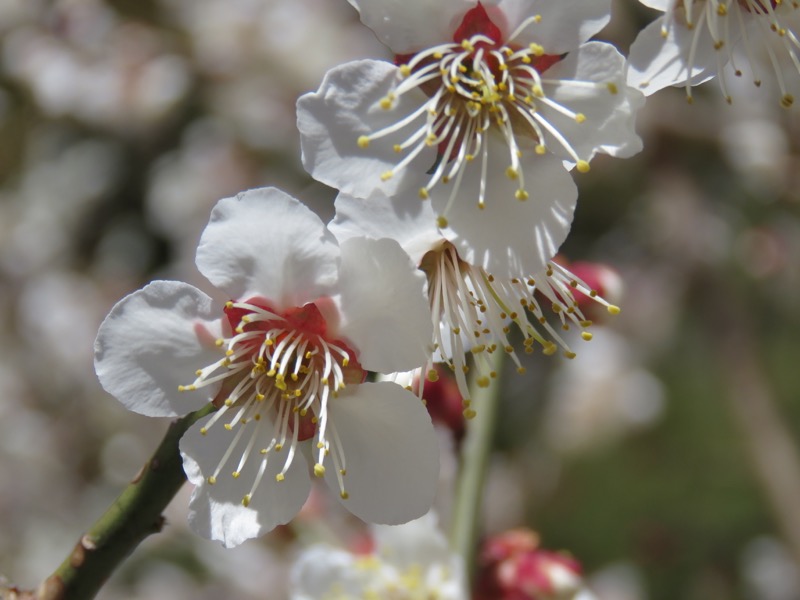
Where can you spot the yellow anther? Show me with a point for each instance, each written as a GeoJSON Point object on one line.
{"type": "Point", "coordinates": [229, 304]}
{"type": "Point", "coordinates": [521, 370]}
{"type": "Point", "coordinates": [423, 194]}
{"type": "Point", "coordinates": [181, 388]}
{"type": "Point", "coordinates": [540, 149]}
{"type": "Point", "coordinates": [521, 195]}
{"type": "Point", "coordinates": [228, 402]}
{"type": "Point", "coordinates": [405, 70]}
{"type": "Point", "coordinates": [344, 495]}
{"type": "Point", "coordinates": [228, 426]}
{"type": "Point", "coordinates": [512, 173]}
{"type": "Point", "coordinates": [614, 310]}
{"type": "Point", "coordinates": [397, 148]}
{"type": "Point", "coordinates": [569, 354]}
{"type": "Point", "coordinates": [211, 480]}
{"type": "Point", "coordinates": [319, 470]}
{"type": "Point", "coordinates": [386, 103]}
{"type": "Point", "coordinates": [235, 474]}
{"type": "Point", "coordinates": [580, 118]}
{"type": "Point", "coordinates": [536, 49]}
{"type": "Point", "coordinates": [278, 447]}
{"type": "Point", "coordinates": [537, 18]}
{"type": "Point", "coordinates": [342, 472]}
{"type": "Point", "coordinates": [469, 413]}
{"type": "Point", "coordinates": [612, 87]}
{"type": "Point", "coordinates": [280, 477]}
{"type": "Point", "coordinates": [586, 335]}
{"type": "Point", "coordinates": [441, 222]}
{"type": "Point", "coordinates": [787, 101]}
{"type": "Point", "coordinates": [549, 349]}
{"type": "Point", "coordinates": [219, 342]}
{"type": "Point", "coordinates": [583, 166]}
{"type": "Point", "coordinates": [363, 141]}
{"type": "Point", "coordinates": [387, 176]}
{"type": "Point", "coordinates": [538, 91]}
{"type": "Point", "coordinates": [483, 382]}
{"type": "Point", "coordinates": [433, 375]}
{"type": "Point", "coordinates": [246, 500]}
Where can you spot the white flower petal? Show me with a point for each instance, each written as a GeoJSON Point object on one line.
{"type": "Point", "coordinates": [391, 451]}
{"type": "Point", "coordinates": [656, 62]}
{"type": "Point", "coordinates": [321, 569]}
{"type": "Point", "coordinates": [154, 340]}
{"type": "Point", "coordinates": [216, 511]}
{"type": "Point", "coordinates": [346, 107]}
{"type": "Point", "coordinates": [412, 224]}
{"type": "Point", "coordinates": [658, 4]}
{"type": "Point", "coordinates": [510, 237]}
{"type": "Point", "coordinates": [407, 26]}
{"type": "Point", "coordinates": [419, 542]}
{"type": "Point", "coordinates": [610, 108]}
{"type": "Point", "coordinates": [382, 305]}
{"type": "Point", "coordinates": [565, 24]}
{"type": "Point", "coordinates": [265, 243]}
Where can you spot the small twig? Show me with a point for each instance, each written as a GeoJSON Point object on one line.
{"type": "Point", "coordinates": [476, 452]}
{"type": "Point", "coordinates": [133, 516]}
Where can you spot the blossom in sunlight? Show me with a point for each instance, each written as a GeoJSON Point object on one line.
{"type": "Point", "coordinates": [480, 94]}
{"type": "Point", "coordinates": [696, 40]}
{"type": "Point", "coordinates": [512, 566]}
{"type": "Point", "coordinates": [409, 562]}
{"type": "Point", "coordinates": [284, 362]}
{"type": "Point", "coordinates": [477, 296]}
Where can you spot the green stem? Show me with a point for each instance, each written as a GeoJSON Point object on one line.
{"type": "Point", "coordinates": [476, 451]}
{"type": "Point", "coordinates": [133, 516]}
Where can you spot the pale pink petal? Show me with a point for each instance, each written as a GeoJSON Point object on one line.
{"type": "Point", "coordinates": [564, 24]}
{"type": "Point", "coordinates": [391, 452]}
{"type": "Point", "coordinates": [382, 305]}
{"type": "Point", "coordinates": [265, 243]}
{"type": "Point", "coordinates": [656, 62]}
{"type": "Point", "coordinates": [510, 236]}
{"type": "Point", "coordinates": [217, 511]}
{"type": "Point", "coordinates": [412, 224]}
{"type": "Point", "coordinates": [154, 340]}
{"type": "Point", "coordinates": [407, 26]}
{"type": "Point", "coordinates": [346, 107]}
{"type": "Point", "coordinates": [609, 108]}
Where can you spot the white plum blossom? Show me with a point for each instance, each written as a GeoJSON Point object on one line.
{"type": "Point", "coordinates": [409, 562]}
{"type": "Point", "coordinates": [696, 40]}
{"type": "Point", "coordinates": [282, 350]}
{"type": "Point", "coordinates": [477, 296]}
{"type": "Point", "coordinates": [480, 94]}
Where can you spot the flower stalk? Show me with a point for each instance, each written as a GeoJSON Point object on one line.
{"type": "Point", "coordinates": [476, 451]}
{"type": "Point", "coordinates": [133, 516]}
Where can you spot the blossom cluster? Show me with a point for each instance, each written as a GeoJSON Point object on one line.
{"type": "Point", "coordinates": [455, 167]}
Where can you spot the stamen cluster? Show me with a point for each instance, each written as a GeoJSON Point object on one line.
{"type": "Point", "coordinates": [280, 366]}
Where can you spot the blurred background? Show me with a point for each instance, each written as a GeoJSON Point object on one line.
{"type": "Point", "coordinates": [664, 457]}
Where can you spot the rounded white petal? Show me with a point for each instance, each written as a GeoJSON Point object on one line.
{"type": "Point", "coordinates": [346, 107]}
{"type": "Point", "coordinates": [265, 243]}
{"type": "Point", "coordinates": [412, 224]}
{"type": "Point", "coordinates": [407, 26]}
{"type": "Point", "coordinates": [609, 108]}
{"type": "Point", "coordinates": [509, 237]}
{"type": "Point", "coordinates": [418, 542]}
{"type": "Point", "coordinates": [321, 569]}
{"type": "Point", "coordinates": [656, 62]}
{"type": "Point", "coordinates": [391, 451]}
{"type": "Point", "coordinates": [383, 308]}
{"type": "Point", "coordinates": [216, 511]}
{"type": "Point", "coordinates": [564, 24]}
{"type": "Point", "coordinates": [154, 340]}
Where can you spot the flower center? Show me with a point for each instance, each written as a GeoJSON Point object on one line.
{"type": "Point", "coordinates": [285, 367]}
{"type": "Point", "coordinates": [476, 84]}
{"type": "Point", "coordinates": [472, 313]}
